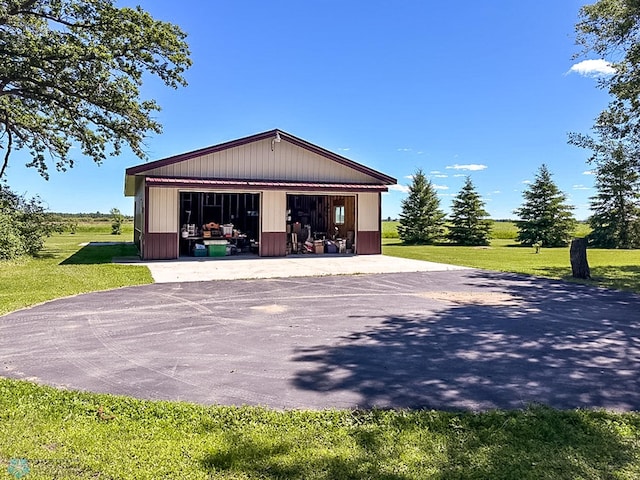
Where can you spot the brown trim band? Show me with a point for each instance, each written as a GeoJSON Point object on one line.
{"type": "Point", "coordinates": [273, 244]}
{"type": "Point", "coordinates": [368, 243]}
{"type": "Point", "coordinates": [262, 185]}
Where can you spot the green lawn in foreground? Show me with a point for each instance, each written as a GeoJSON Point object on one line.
{"type": "Point", "coordinates": [66, 268]}
{"type": "Point", "coordinates": [88, 436]}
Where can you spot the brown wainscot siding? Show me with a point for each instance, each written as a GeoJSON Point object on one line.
{"type": "Point", "coordinates": [368, 243]}
{"type": "Point", "coordinates": [273, 244]}
{"type": "Point", "coordinates": [160, 246]}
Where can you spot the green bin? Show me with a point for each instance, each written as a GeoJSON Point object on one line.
{"type": "Point", "coordinates": [217, 250]}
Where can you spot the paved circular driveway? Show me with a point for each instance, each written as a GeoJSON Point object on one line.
{"type": "Point", "coordinates": [465, 339]}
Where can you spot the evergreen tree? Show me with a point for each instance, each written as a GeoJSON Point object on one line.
{"type": "Point", "coordinates": [469, 225]}
{"type": "Point", "coordinates": [615, 221]}
{"type": "Point", "coordinates": [421, 220]}
{"type": "Point", "coordinates": [616, 154]}
{"type": "Point", "coordinates": [545, 218]}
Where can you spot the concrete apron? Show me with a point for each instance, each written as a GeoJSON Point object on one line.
{"type": "Point", "coordinates": [196, 269]}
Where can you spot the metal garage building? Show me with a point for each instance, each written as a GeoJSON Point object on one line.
{"type": "Point", "coordinates": [261, 189]}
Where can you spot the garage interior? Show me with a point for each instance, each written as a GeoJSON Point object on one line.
{"type": "Point", "coordinates": [221, 224]}
{"type": "Point", "coordinates": [229, 220]}
{"type": "Point", "coordinates": [320, 224]}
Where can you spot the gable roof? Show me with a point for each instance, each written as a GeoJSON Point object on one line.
{"type": "Point", "coordinates": [145, 167]}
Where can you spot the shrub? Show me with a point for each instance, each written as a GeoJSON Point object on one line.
{"type": "Point", "coordinates": [24, 224]}
{"type": "Point", "coordinates": [116, 221]}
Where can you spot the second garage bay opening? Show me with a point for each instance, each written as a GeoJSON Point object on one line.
{"type": "Point", "coordinates": [321, 223]}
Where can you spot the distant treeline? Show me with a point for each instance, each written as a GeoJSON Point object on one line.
{"type": "Point", "coordinates": [85, 217]}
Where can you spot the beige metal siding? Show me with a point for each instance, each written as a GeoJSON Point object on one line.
{"type": "Point", "coordinates": [163, 210]}
{"type": "Point", "coordinates": [274, 211]}
{"type": "Point", "coordinates": [256, 161]}
{"type": "Point", "coordinates": [368, 212]}
{"type": "Point", "coordinates": [138, 214]}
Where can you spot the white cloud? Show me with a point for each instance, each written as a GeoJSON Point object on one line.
{"type": "Point", "coordinates": [410, 177]}
{"type": "Point", "coordinates": [581, 187]}
{"type": "Point", "coordinates": [459, 175]}
{"type": "Point", "coordinates": [440, 175]}
{"type": "Point", "coordinates": [344, 149]}
{"type": "Point", "coordinates": [404, 149]}
{"type": "Point", "coordinates": [399, 188]}
{"type": "Point", "coordinates": [496, 191]}
{"type": "Point", "coordinates": [593, 68]}
{"type": "Point", "coordinates": [589, 172]}
{"type": "Point", "coordinates": [470, 166]}
{"type": "Point", "coordinates": [435, 172]}
{"type": "Point", "coordinates": [440, 187]}
{"type": "Point", "coordinates": [440, 194]}
{"type": "Point", "coordinates": [526, 182]}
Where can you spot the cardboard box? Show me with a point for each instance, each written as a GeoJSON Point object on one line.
{"type": "Point", "coordinates": [318, 246]}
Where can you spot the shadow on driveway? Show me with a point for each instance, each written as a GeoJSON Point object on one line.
{"type": "Point", "coordinates": [464, 339]}
{"type": "Point", "coordinates": [538, 340]}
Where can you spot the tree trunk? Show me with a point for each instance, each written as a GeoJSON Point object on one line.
{"type": "Point", "coordinates": [578, 256]}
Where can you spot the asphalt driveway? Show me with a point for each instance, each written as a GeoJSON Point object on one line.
{"type": "Point", "coordinates": [464, 339]}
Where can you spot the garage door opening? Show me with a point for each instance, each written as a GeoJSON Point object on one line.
{"type": "Point", "coordinates": [219, 224]}
{"type": "Point", "coordinates": [321, 224]}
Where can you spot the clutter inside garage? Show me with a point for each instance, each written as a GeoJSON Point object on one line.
{"type": "Point", "coordinates": [320, 224]}
{"type": "Point", "coordinates": [219, 224]}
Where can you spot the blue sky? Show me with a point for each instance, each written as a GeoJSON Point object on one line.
{"type": "Point", "coordinates": [486, 89]}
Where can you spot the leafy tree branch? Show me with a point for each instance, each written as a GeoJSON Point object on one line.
{"type": "Point", "coordinates": [70, 76]}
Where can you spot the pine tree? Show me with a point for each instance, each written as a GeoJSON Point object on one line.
{"type": "Point", "coordinates": [545, 218]}
{"type": "Point", "coordinates": [615, 221]}
{"type": "Point", "coordinates": [469, 225]}
{"type": "Point", "coordinates": [421, 220]}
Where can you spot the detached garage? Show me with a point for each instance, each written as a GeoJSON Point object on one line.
{"type": "Point", "coordinates": [270, 194]}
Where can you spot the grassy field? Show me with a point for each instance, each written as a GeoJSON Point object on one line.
{"type": "Point", "coordinates": [65, 267]}
{"type": "Point", "coordinates": [60, 434]}
{"type": "Point", "coordinates": [609, 268]}
{"type": "Point", "coordinates": [500, 230]}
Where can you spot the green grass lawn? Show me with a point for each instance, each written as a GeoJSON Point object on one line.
{"type": "Point", "coordinates": [72, 435]}
{"type": "Point", "coordinates": [500, 230]}
{"type": "Point", "coordinates": [609, 268]}
{"type": "Point", "coordinates": [618, 269]}
{"type": "Point", "coordinates": [66, 268]}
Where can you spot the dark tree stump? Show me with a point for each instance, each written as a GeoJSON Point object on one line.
{"type": "Point", "coordinates": [578, 257]}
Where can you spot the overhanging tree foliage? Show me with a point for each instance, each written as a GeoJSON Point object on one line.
{"type": "Point", "coordinates": [545, 218]}
{"type": "Point", "coordinates": [469, 224]}
{"type": "Point", "coordinates": [611, 29]}
{"type": "Point", "coordinates": [70, 76]}
{"type": "Point", "coordinates": [421, 220]}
